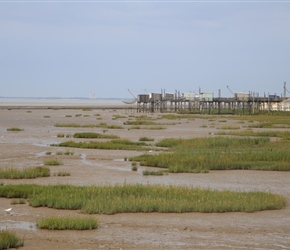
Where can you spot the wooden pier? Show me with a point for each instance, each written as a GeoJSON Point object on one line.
{"type": "Point", "coordinates": [219, 105]}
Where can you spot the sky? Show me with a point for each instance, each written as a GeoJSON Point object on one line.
{"type": "Point", "coordinates": [119, 49]}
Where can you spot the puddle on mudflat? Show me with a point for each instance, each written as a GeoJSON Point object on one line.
{"type": "Point", "coordinates": [95, 164]}
{"type": "Point", "coordinates": [120, 160]}
{"type": "Point", "coordinates": [10, 224]}
{"type": "Point", "coordinates": [44, 144]}
{"type": "Point", "coordinates": [43, 153]}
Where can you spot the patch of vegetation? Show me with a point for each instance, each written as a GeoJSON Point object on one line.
{"type": "Point", "coordinates": [142, 198]}
{"type": "Point", "coordinates": [279, 134]}
{"type": "Point", "coordinates": [113, 144]}
{"type": "Point", "coordinates": [146, 139]}
{"type": "Point", "coordinates": [9, 239]}
{"type": "Point", "coordinates": [134, 168]}
{"type": "Point", "coordinates": [219, 153]}
{"type": "Point", "coordinates": [135, 127]}
{"type": "Point", "coordinates": [119, 117]}
{"type": "Point", "coordinates": [15, 129]}
{"type": "Point", "coordinates": [229, 127]}
{"type": "Point", "coordinates": [62, 173]}
{"type": "Point", "coordinates": [105, 125]}
{"type": "Point", "coordinates": [156, 127]}
{"type": "Point", "coordinates": [67, 223]}
{"type": "Point", "coordinates": [92, 135]}
{"type": "Point", "coordinates": [26, 173]}
{"type": "Point", "coordinates": [52, 162]}
{"type": "Point", "coordinates": [100, 125]}
{"type": "Point", "coordinates": [140, 122]}
{"type": "Point", "coordinates": [68, 152]}
{"type": "Point", "coordinates": [46, 116]}
{"type": "Point", "coordinates": [156, 173]}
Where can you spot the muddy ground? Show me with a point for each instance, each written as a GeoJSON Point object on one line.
{"type": "Point", "coordinates": [260, 230]}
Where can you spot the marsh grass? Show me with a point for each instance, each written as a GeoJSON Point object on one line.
{"type": "Point", "coordinates": [15, 129]}
{"type": "Point", "coordinates": [134, 168]}
{"type": "Point", "coordinates": [92, 135]}
{"type": "Point", "coordinates": [26, 173]}
{"type": "Point", "coordinates": [76, 125]}
{"type": "Point", "coordinates": [67, 152]}
{"type": "Point", "coordinates": [113, 145]}
{"type": "Point", "coordinates": [115, 117]}
{"type": "Point", "coordinates": [229, 127]}
{"type": "Point", "coordinates": [67, 223]}
{"type": "Point", "coordinates": [219, 153]}
{"type": "Point", "coordinates": [52, 162]}
{"type": "Point", "coordinates": [285, 135]}
{"type": "Point", "coordinates": [144, 138]}
{"type": "Point", "coordinates": [140, 122]}
{"type": "Point", "coordinates": [142, 198]}
{"type": "Point", "coordinates": [9, 239]}
{"type": "Point", "coordinates": [62, 174]}
{"type": "Point", "coordinates": [154, 173]}
{"type": "Point", "coordinates": [149, 127]}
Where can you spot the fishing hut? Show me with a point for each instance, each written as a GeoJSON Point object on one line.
{"type": "Point", "coordinates": [205, 102]}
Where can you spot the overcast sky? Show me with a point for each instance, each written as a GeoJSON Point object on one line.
{"type": "Point", "coordinates": [74, 48]}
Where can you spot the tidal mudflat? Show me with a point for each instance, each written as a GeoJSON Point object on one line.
{"type": "Point", "coordinates": [30, 142]}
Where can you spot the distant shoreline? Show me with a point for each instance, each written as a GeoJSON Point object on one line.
{"type": "Point", "coordinates": [62, 103]}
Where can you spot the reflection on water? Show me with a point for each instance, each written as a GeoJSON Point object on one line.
{"type": "Point", "coordinates": [99, 165]}
{"type": "Point", "coordinates": [10, 224]}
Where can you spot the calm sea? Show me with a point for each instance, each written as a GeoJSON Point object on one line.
{"type": "Point", "coordinates": [61, 102]}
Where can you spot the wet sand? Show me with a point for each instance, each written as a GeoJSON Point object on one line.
{"type": "Point", "coordinates": [261, 230]}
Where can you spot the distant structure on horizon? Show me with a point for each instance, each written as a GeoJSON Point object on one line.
{"type": "Point", "coordinates": [92, 95]}
{"type": "Point", "coordinates": [240, 102]}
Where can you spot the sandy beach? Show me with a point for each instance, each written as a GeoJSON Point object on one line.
{"type": "Point", "coordinates": [260, 230]}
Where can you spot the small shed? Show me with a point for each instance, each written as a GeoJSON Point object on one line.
{"type": "Point", "coordinates": [206, 97]}
{"type": "Point", "coordinates": [189, 96]}
{"type": "Point", "coordinates": [143, 98]}
{"type": "Point", "coordinates": [242, 96]}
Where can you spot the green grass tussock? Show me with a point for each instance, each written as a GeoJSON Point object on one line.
{"type": "Point", "coordinates": [15, 129]}
{"type": "Point", "coordinates": [142, 198]}
{"type": "Point", "coordinates": [9, 240]}
{"type": "Point", "coordinates": [154, 173]}
{"type": "Point", "coordinates": [113, 145]}
{"type": "Point", "coordinates": [52, 162]}
{"type": "Point", "coordinates": [92, 135]}
{"type": "Point", "coordinates": [67, 223]}
{"type": "Point", "coordinates": [76, 125]}
{"type": "Point", "coordinates": [144, 138]}
{"type": "Point", "coordinates": [26, 173]}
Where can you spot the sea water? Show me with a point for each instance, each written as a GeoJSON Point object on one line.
{"type": "Point", "coordinates": [62, 102]}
